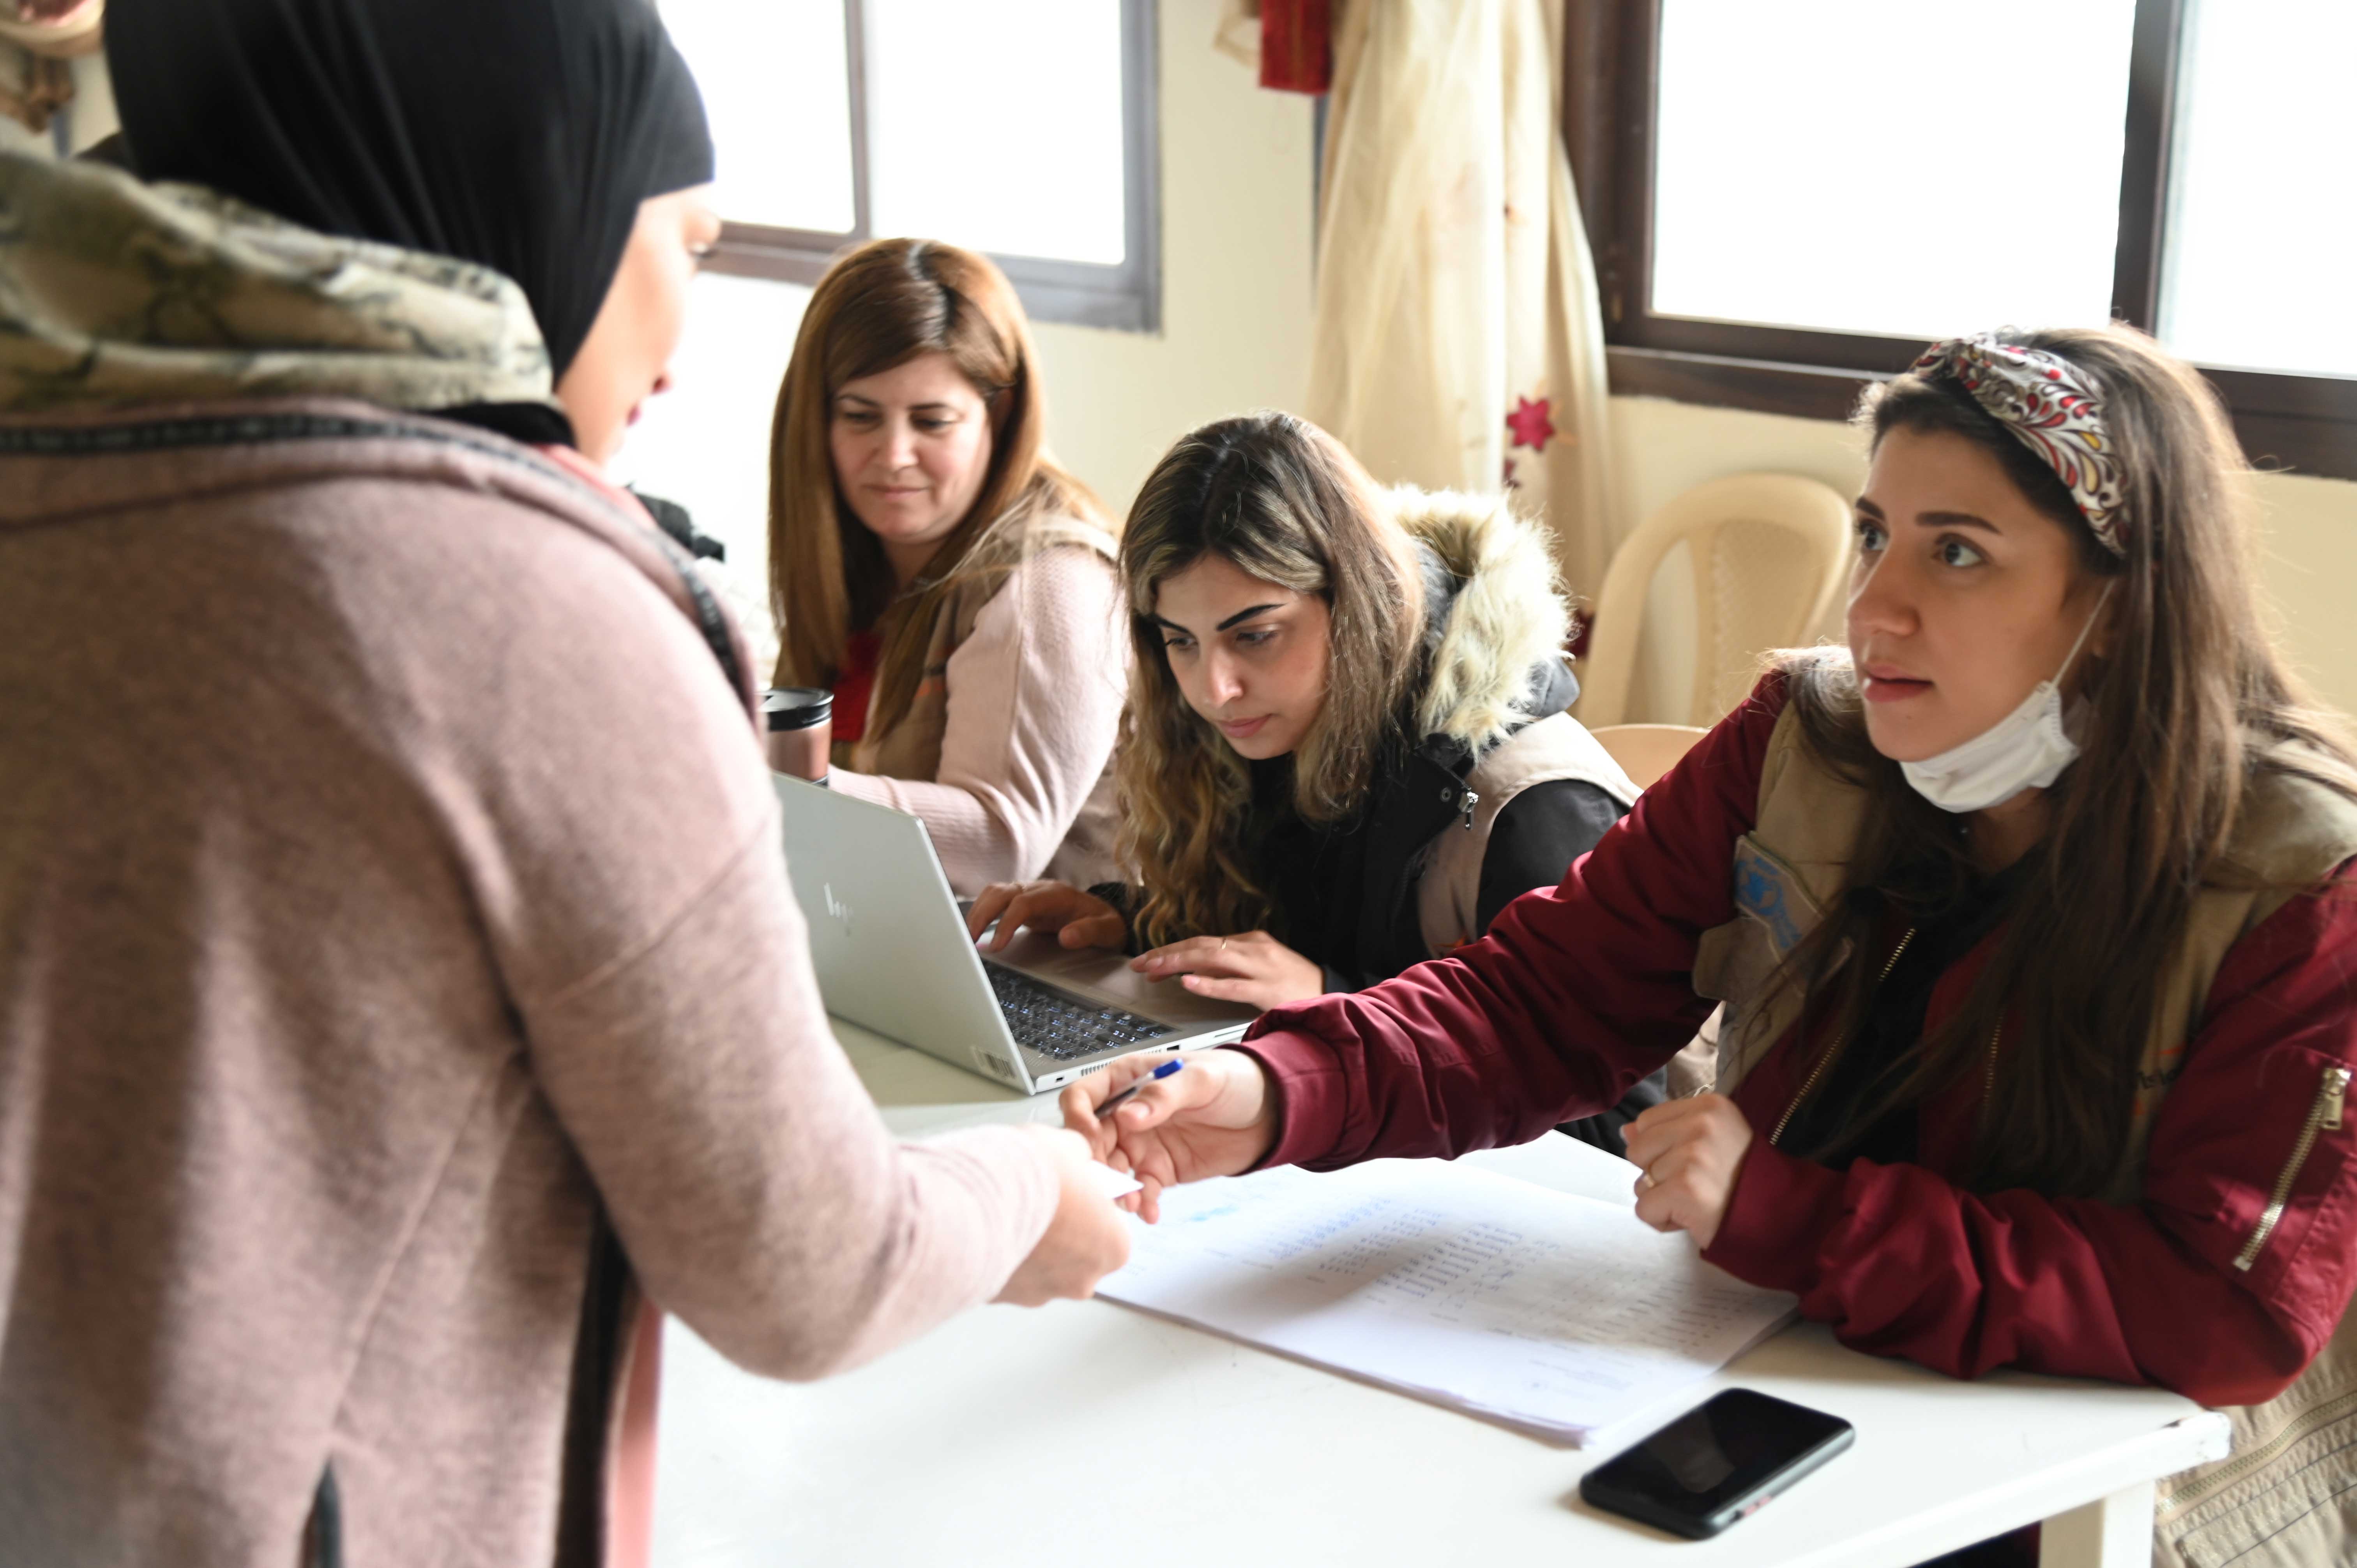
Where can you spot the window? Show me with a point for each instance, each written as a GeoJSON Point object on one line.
{"type": "Point", "coordinates": [2260, 197]}
{"type": "Point", "coordinates": [1789, 199]}
{"type": "Point", "coordinates": [1025, 130]}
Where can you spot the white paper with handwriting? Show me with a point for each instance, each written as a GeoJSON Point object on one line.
{"type": "Point", "coordinates": [1538, 1308]}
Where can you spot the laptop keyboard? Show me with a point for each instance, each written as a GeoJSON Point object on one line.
{"type": "Point", "coordinates": [1060, 1026]}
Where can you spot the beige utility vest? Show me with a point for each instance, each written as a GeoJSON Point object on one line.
{"type": "Point", "coordinates": [2287, 1496]}
{"type": "Point", "coordinates": [911, 747]}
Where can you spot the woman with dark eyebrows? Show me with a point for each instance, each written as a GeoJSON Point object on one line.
{"type": "Point", "coordinates": [2035, 915]}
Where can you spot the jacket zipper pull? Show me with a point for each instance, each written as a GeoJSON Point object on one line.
{"type": "Point", "coordinates": [1468, 801]}
{"type": "Point", "coordinates": [2331, 1099]}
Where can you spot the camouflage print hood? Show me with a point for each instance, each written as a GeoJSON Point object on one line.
{"type": "Point", "coordinates": [114, 293]}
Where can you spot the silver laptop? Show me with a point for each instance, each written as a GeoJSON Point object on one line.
{"type": "Point", "coordinates": [892, 955]}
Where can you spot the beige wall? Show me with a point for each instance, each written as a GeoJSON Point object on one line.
{"type": "Point", "coordinates": [2308, 566]}
{"type": "Point", "coordinates": [2309, 543]}
{"type": "Point", "coordinates": [1236, 172]}
{"type": "Point", "coordinates": [1236, 219]}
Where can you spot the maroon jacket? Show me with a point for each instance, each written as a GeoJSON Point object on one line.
{"type": "Point", "coordinates": [1577, 992]}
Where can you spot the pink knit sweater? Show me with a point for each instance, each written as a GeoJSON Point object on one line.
{"type": "Point", "coordinates": [1025, 786]}
{"type": "Point", "coordinates": [390, 890]}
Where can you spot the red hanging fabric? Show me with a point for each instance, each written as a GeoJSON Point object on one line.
{"type": "Point", "coordinates": [1296, 45]}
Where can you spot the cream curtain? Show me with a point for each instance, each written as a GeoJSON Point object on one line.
{"type": "Point", "coordinates": [1237, 33]}
{"type": "Point", "coordinates": [1456, 341]}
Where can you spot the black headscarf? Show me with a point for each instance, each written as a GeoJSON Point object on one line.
{"type": "Point", "coordinates": [519, 134]}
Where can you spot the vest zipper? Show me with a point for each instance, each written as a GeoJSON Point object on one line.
{"type": "Point", "coordinates": [2202, 1487]}
{"type": "Point", "coordinates": [1838, 1046]}
{"type": "Point", "coordinates": [2331, 1094]}
{"type": "Point", "coordinates": [1468, 800]}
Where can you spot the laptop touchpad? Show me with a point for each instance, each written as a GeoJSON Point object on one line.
{"type": "Point", "coordinates": [1106, 976]}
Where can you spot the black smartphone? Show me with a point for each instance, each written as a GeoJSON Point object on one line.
{"type": "Point", "coordinates": [1723, 1459]}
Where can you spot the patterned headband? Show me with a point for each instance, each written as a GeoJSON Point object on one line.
{"type": "Point", "coordinates": [2044, 400]}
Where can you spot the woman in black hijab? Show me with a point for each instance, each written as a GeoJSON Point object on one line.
{"type": "Point", "coordinates": [521, 137]}
{"type": "Point", "coordinates": [404, 968]}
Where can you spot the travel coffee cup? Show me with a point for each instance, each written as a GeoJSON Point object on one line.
{"type": "Point", "coordinates": [801, 723]}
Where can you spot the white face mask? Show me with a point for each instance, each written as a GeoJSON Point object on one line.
{"type": "Point", "coordinates": [2026, 749]}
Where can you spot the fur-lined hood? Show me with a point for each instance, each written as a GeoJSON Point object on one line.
{"type": "Point", "coordinates": [1496, 621]}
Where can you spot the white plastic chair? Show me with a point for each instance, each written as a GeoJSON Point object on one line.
{"type": "Point", "coordinates": [1770, 554]}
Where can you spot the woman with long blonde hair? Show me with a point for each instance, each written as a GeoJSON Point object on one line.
{"type": "Point", "coordinates": [933, 566]}
{"type": "Point", "coordinates": [1345, 747]}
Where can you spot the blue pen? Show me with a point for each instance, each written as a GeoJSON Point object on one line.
{"type": "Point", "coordinates": [1164, 1070]}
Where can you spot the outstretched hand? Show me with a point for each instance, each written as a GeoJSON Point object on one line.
{"type": "Point", "coordinates": [1214, 1117]}
{"type": "Point", "coordinates": [1085, 1240]}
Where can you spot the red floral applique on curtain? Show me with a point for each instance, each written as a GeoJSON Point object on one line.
{"type": "Point", "coordinates": [1531, 423]}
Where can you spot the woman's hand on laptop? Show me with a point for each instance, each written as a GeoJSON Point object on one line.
{"type": "Point", "coordinates": [1086, 1241]}
{"type": "Point", "coordinates": [1253, 968]}
{"type": "Point", "coordinates": [1076, 919]}
{"type": "Point", "coordinates": [1215, 1118]}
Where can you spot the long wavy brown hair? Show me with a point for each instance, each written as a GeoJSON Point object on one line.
{"type": "Point", "coordinates": [1284, 502]}
{"type": "Point", "coordinates": [879, 307]}
{"type": "Point", "coordinates": [2187, 701]}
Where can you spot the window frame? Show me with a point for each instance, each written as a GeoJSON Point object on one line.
{"type": "Point", "coordinates": [1127, 297]}
{"type": "Point", "coordinates": [2306, 423]}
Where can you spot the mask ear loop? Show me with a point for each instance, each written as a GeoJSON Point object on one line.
{"type": "Point", "coordinates": [2084, 632]}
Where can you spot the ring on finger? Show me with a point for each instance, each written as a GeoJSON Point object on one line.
{"type": "Point", "coordinates": [1223, 945]}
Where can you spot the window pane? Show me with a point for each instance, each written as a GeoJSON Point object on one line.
{"type": "Point", "coordinates": [998, 126]}
{"type": "Point", "coordinates": [777, 92]}
{"type": "Point", "coordinates": [2261, 224]}
{"type": "Point", "coordinates": [1913, 170]}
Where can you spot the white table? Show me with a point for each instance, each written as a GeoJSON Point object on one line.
{"type": "Point", "coordinates": [1087, 1433]}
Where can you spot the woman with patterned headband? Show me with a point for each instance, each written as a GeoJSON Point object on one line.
{"type": "Point", "coordinates": [2035, 920]}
